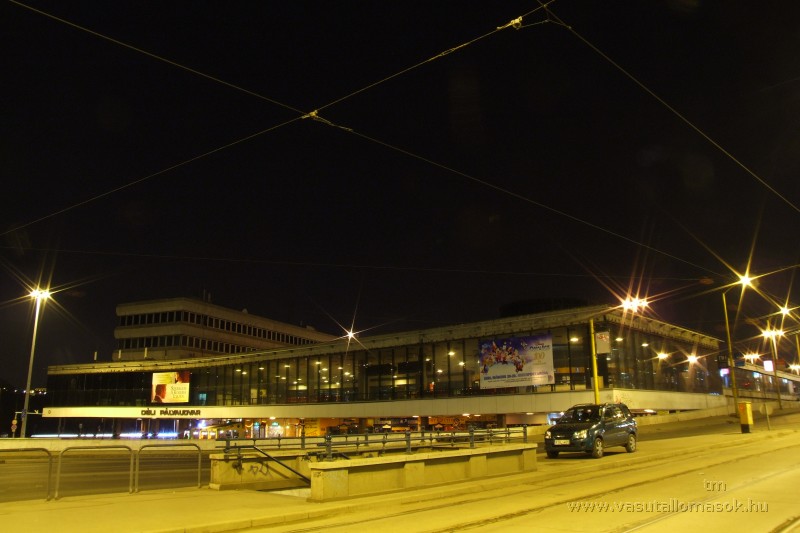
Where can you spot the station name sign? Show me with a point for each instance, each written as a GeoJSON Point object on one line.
{"type": "Point", "coordinates": [172, 412]}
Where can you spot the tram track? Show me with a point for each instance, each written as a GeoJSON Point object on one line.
{"type": "Point", "coordinates": [619, 472]}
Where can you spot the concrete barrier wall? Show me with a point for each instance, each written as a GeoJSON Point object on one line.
{"type": "Point", "coordinates": [337, 479]}
{"type": "Point", "coordinates": [331, 480]}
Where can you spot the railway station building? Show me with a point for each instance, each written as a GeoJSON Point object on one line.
{"type": "Point", "coordinates": [190, 369]}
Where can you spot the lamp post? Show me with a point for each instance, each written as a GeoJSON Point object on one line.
{"type": "Point", "coordinates": [772, 335]}
{"type": "Point", "coordinates": [731, 365]}
{"type": "Point", "coordinates": [595, 384]}
{"type": "Point", "coordinates": [39, 295]}
{"type": "Point", "coordinates": [796, 365]}
{"type": "Point", "coordinates": [744, 281]}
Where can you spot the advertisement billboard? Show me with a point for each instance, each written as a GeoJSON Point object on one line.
{"type": "Point", "coordinates": [170, 387]}
{"type": "Point", "coordinates": [516, 361]}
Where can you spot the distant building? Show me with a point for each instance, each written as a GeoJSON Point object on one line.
{"type": "Point", "coordinates": [186, 328]}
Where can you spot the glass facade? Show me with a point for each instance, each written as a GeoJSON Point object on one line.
{"type": "Point", "coordinates": [418, 370]}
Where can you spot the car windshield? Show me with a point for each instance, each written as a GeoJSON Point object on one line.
{"type": "Point", "coordinates": [589, 413]}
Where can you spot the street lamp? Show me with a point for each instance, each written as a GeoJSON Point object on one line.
{"type": "Point", "coordinates": [39, 295]}
{"type": "Point", "coordinates": [744, 281]}
{"type": "Point", "coordinates": [772, 336]}
{"type": "Point", "coordinates": [796, 367]}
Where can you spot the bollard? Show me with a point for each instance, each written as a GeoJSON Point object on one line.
{"type": "Point", "coordinates": [745, 416]}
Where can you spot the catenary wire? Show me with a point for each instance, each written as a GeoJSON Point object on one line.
{"type": "Point", "coordinates": [156, 57]}
{"type": "Point", "coordinates": [331, 265]}
{"type": "Point", "coordinates": [302, 115]}
{"type": "Point", "coordinates": [140, 180]}
{"type": "Point", "coordinates": [515, 23]}
{"type": "Point", "coordinates": [671, 109]}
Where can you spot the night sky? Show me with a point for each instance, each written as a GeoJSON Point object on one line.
{"type": "Point", "coordinates": [444, 168]}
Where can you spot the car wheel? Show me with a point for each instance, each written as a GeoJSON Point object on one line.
{"type": "Point", "coordinates": [630, 446]}
{"type": "Point", "coordinates": [552, 454]}
{"type": "Point", "coordinates": [597, 448]}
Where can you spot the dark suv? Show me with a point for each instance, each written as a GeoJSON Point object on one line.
{"type": "Point", "coordinates": [591, 428]}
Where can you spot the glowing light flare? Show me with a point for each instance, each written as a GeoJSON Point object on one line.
{"type": "Point", "coordinates": [772, 333]}
{"type": "Point", "coordinates": [751, 357]}
{"type": "Point", "coordinates": [692, 359]}
{"type": "Point", "coordinates": [40, 294]}
{"type": "Point", "coordinates": [634, 304]}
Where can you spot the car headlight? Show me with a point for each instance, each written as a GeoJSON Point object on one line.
{"type": "Point", "coordinates": [547, 434]}
{"type": "Point", "coordinates": [580, 435]}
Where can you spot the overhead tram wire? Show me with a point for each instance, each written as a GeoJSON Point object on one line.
{"type": "Point", "coordinates": [235, 260]}
{"type": "Point", "coordinates": [301, 115]}
{"type": "Point", "coordinates": [142, 179]}
{"type": "Point", "coordinates": [156, 57]}
{"type": "Point", "coordinates": [674, 111]}
{"type": "Point", "coordinates": [518, 196]}
{"type": "Point", "coordinates": [515, 23]}
{"type": "Point", "coordinates": [313, 114]}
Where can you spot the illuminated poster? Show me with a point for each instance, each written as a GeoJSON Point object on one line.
{"type": "Point", "coordinates": [516, 362]}
{"type": "Point", "coordinates": [170, 387]}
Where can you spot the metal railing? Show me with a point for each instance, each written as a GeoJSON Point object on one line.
{"type": "Point", "coordinates": [93, 448]}
{"type": "Point", "coordinates": [54, 477]}
{"type": "Point", "coordinates": [406, 439]}
{"type": "Point", "coordinates": [327, 447]}
{"type": "Point", "coordinates": [240, 460]}
{"type": "Point", "coordinates": [139, 460]}
{"type": "Point", "coordinates": [49, 463]}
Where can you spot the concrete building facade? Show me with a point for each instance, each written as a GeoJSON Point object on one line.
{"type": "Point", "coordinates": [186, 328]}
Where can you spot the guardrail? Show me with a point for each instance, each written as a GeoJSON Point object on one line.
{"type": "Point", "coordinates": [54, 478]}
{"type": "Point", "coordinates": [94, 448]}
{"type": "Point", "coordinates": [406, 438]}
{"type": "Point", "coordinates": [199, 459]}
{"type": "Point", "coordinates": [49, 463]}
